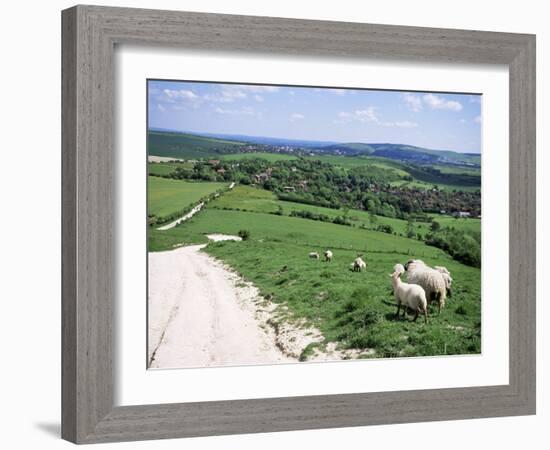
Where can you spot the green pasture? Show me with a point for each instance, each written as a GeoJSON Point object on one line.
{"type": "Point", "coordinates": [259, 200]}
{"type": "Point", "coordinates": [166, 196]}
{"type": "Point", "coordinates": [187, 146]}
{"type": "Point", "coordinates": [271, 157]}
{"type": "Point", "coordinates": [167, 168]}
{"type": "Point", "coordinates": [355, 310]}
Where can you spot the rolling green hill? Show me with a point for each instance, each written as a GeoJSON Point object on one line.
{"type": "Point", "coordinates": [402, 152]}
{"type": "Point", "coordinates": [418, 167]}
{"type": "Point", "coordinates": [187, 146]}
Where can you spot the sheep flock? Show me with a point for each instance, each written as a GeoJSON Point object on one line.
{"type": "Point", "coordinates": [424, 284]}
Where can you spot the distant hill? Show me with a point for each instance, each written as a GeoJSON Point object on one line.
{"type": "Point", "coordinates": [183, 145]}
{"type": "Point", "coordinates": [401, 152]}
{"type": "Point", "coordinates": [267, 140]}
{"type": "Point", "coordinates": [189, 145]}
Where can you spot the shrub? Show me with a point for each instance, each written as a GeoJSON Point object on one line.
{"type": "Point", "coordinates": [462, 245]}
{"type": "Point", "coordinates": [385, 229]}
{"type": "Point", "coordinates": [244, 234]}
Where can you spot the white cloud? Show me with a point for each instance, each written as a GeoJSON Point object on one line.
{"type": "Point", "coordinates": [244, 111]}
{"type": "Point", "coordinates": [161, 108]}
{"type": "Point", "coordinates": [404, 124]}
{"type": "Point", "coordinates": [258, 89]}
{"type": "Point", "coordinates": [462, 120]}
{"type": "Point", "coordinates": [172, 95]}
{"type": "Point", "coordinates": [230, 93]}
{"type": "Point", "coordinates": [475, 98]}
{"type": "Point", "coordinates": [438, 102]}
{"type": "Point", "coordinates": [338, 91]}
{"type": "Point", "coordinates": [369, 115]}
{"type": "Point", "coordinates": [296, 116]}
{"type": "Point", "coordinates": [477, 119]}
{"type": "Point", "coordinates": [178, 98]}
{"type": "Point", "coordinates": [227, 94]}
{"type": "Point", "coordinates": [413, 102]}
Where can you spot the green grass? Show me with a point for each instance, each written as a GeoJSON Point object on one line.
{"type": "Point", "coordinates": [166, 197]}
{"type": "Point", "coordinates": [356, 310]}
{"type": "Point", "coordinates": [186, 146]}
{"type": "Point", "coordinates": [458, 169]}
{"type": "Point", "coordinates": [247, 198]}
{"type": "Point", "coordinates": [166, 168]}
{"type": "Point", "coordinates": [467, 224]}
{"type": "Point", "coordinates": [349, 162]}
{"type": "Point", "coordinates": [259, 200]}
{"type": "Point", "coordinates": [271, 157]}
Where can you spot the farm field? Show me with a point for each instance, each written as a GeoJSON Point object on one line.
{"type": "Point", "coordinates": [355, 310]}
{"type": "Point", "coordinates": [166, 168]}
{"type": "Point", "coordinates": [271, 157]}
{"type": "Point", "coordinates": [349, 162]}
{"type": "Point", "coordinates": [186, 146]}
{"type": "Point", "coordinates": [471, 224]}
{"type": "Point", "coordinates": [166, 197]}
{"type": "Point", "coordinates": [259, 200]}
{"type": "Point", "coordinates": [426, 185]}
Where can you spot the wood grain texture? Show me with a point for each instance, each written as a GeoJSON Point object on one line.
{"type": "Point", "coordinates": [89, 36]}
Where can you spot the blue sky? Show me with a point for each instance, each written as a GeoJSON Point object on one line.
{"type": "Point", "coordinates": [432, 120]}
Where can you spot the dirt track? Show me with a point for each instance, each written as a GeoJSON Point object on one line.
{"type": "Point", "coordinates": [199, 316]}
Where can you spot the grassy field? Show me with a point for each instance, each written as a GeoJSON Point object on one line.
{"type": "Point", "coordinates": [271, 157]}
{"type": "Point", "coordinates": [472, 224]}
{"type": "Point", "coordinates": [426, 185]}
{"type": "Point", "coordinates": [166, 168]}
{"type": "Point", "coordinates": [259, 200]}
{"type": "Point", "coordinates": [186, 146]}
{"type": "Point", "coordinates": [355, 310]}
{"type": "Point", "coordinates": [349, 162]}
{"type": "Point", "coordinates": [167, 196]}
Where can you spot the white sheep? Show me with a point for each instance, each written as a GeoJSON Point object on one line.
{"type": "Point", "coordinates": [328, 256]}
{"type": "Point", "coordinates": [399, 268]}
{"type": "Point", "coordinates": [447, 277]}
{"type": "Point", "coordinates": [409, 296]}
{"type": "Point", "coordinates": [314, 255]}
{"type": "Point", "coordinates": [358, 264]}
{"type": "Point", "coordinates": [431, 280]}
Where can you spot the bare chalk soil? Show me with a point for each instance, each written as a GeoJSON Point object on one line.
{"type": "Point", "coordinates": [201, 314]}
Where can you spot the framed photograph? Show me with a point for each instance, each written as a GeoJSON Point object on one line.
{"type": "Point", "coordinates": [268, 222]}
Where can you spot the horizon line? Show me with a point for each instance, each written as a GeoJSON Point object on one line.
{"type": "Point", "coordinates": [205, 133]}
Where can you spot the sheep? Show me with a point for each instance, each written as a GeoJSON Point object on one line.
{"type": "Point", "coordinates": [431, 280]}
{"type": "Point", "coordinates": [399, 268]}
{"type": "Point", "coordinates": [447, 277]}
{"type": "Point", "coordinates": [358, 264]}
{"type": "Point", "coordinates": [328, 256]}
{"type": "Point", "coordinates": [314, 255]}
{"type": "Point", "coordinates": [409, 296]}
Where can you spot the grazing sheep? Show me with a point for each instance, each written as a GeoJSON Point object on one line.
{"type": "Point", "coordinates": [314, 255]}
{"type": "Point", "coordinates": [358, 264]}
{"type": "Point", "coordinates": [447, 277]}
{"type": "Point", "coordinates": [431, 280]}
{"type": "Point", "coordinates": [328, 256]}
{"type": "Point", "coordinates": [399, 268]}
{"type": "Point", "coordinates": [409, 296]}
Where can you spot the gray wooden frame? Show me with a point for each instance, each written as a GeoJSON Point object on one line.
{"type": "Point", "coordinates": [89, 35]}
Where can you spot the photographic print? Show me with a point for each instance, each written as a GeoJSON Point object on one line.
{"type": "Point", "coordinates": [295, 224]}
